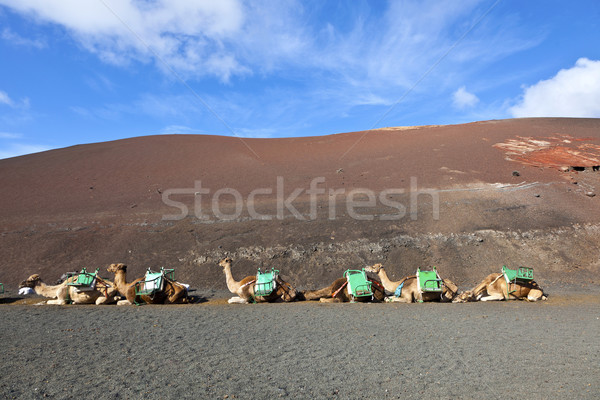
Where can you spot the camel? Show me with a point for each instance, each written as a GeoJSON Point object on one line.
{"type": "Point", "coordinates": [172, 293]}
{"type": "Point", "coordinates": [410, 290]}
{"type": "Point", "coordinates": [62, 294]}
{"type": "Point", "coordinates": [337, 292]}
{"type": "Point", "coordinates": [495, 287]}
{"type": "Point", "coordinates": [245, 288]}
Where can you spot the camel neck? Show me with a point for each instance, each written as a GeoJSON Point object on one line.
{"type": "Point", "coordinates": [47, 291]}
{"type": "Point", "coordinates": [121, 281]}
{"type": "Point", "coordinates": [232, 285]}
{"type": "Point", "coordinates": [389, 285]}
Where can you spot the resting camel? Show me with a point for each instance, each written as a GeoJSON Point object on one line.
{"type": "Point", "coordinates": [495, 287]}
{"type": "Point", "coordinates": [245, 288]}
{"type": "Point", "coordinates": [172, 293]}
{"type": "Point", "coordinates": [62, 294]}
{"type": "Point", "coordinates": [410, 289]}
{"type": "Point", "coordinates": [337, 292]}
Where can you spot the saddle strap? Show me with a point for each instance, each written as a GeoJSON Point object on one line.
{"type": "Point", "coordinates": [340, 289]}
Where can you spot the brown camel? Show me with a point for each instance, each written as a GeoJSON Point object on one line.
{"type": "Point", "coordinates": [337, 292]}
{"type": "Point", "coordinates": [410, 290]}
{"type": "Point", "coordinates": [104, 292]}
{"type": "Point", "coordinates": [245, 288]}
{"type": "Point", "coordinates": [172, 293]}
{"type": "Point", "coordinates": [495, 287]}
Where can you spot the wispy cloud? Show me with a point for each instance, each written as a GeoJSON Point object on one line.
{"type": "Point", "coordinates": [181, 130]}
{"type": "Point", "coordinates": [282, 65]}
{"type": "Point", "coordinates": [8, 101]}
{"type": "Point", "coordinates": [10, 135]}
{"type": "Point", "coordinates": [19, 149]}
{"type": "Point", "coordinates": [5, 99]}
{"type": "Point", "coordinates": [17, 40]}
{"type": "Point", "coordinates": [572, 92]}
{"type": "Point", "coordinates": [11, 145]}
{"type": "Point", "coordinates": [231, 38]}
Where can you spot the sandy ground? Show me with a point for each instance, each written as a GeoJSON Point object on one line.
{"type": "Point", "coordinates": [304, 350]}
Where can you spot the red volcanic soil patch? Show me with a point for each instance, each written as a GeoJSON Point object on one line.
{"type": "Point", "coordinates": [562, 151]}
{"type": "Point", "coordinates": [93, 204]}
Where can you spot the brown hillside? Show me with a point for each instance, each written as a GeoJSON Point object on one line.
{"type": "Point", "coordinates": [467, 198]}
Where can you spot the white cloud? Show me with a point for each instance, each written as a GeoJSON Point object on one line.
{"type": "Point", "coordinates": [463, 99]}
{"type": "Point", "coordinates": [186, 34]}
{"type": "Point", "coordinates": [573, 92]}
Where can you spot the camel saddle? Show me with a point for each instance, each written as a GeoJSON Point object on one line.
{"type": "Point", "coordinates": [358, 284]}
{"type": "Point", "coordinates": [83, 280]}
{"type": "Point", "coordinates": [265, 282]}
{"type": "Point", "coordinates": [429, 281]}
{"type": "Point", "coordinates": [153, 282]}
{"type": "Point", "coordinates": [522, 274]}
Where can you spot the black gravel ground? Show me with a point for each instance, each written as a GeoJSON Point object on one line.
{"type": "Point", "coordinates": [213, 350]}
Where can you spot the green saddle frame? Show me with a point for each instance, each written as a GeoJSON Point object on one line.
{"type": "Point", "coordinates": [429, 281]}
{"type": "Point", "coordinates": [265, 282]}
{"type": "Point", "coordinates": [83, 280]}
{"type": "Point", "coordinates": [358, 284]}
{"type": "Point", "coordinates": [153, 282]}
{"type": "Point", "coordinates": [521, 274]}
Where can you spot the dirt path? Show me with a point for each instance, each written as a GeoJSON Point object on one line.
{"type": "Point", "coordinates": [303, 350]}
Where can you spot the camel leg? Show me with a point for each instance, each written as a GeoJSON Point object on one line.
{"type": "Point", "coordinates": [124, 303]}
{"type": "Point", "coordinates": [492, 297]}
{"type": "Point", "coordinates": [330, 300]}
{"type": "Point", "coordinates": [101, 300]}
{"type": "Point", "coordinates": [237, 300]}
{"type": "Point", "coordinates": [393, 299]}
{"type": "Point", "coordinates": [57, 302]}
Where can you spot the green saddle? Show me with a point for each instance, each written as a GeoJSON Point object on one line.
{"type": "Point", "coordinates": [83, 280]}
{"type": "Point", "coordinates": [521, 274]}
{"type": "Point", "coordinates": [358, 284]}
{"type": "Point", "coordinates": [265, 282]}
{"type": "Point", "coordinates": [153, 282]}
{"type": "Point", "coordinates": [429, 281]}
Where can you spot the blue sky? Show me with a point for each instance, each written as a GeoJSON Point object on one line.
{"type": "Point", "coordinates": [82, 71]}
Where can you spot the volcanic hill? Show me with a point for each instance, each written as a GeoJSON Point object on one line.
{"type": "Point", "coordinates": [467, 198]}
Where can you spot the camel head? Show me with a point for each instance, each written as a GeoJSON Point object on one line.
{"type": "Point", "coordinates": [374, 268]}
{"type": "Point", "coordinates": [31, 282]}
{"type": "Point", "coordinates": [450, 292]}
{"type": "Point", "coordinates": [226, 262]}
{"type": "Point", "coordinates": [286, 291]}
{"type": "Point", "coordinates": [114, 268]}
{"type": "Point", "coordinates": [464, 297]}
